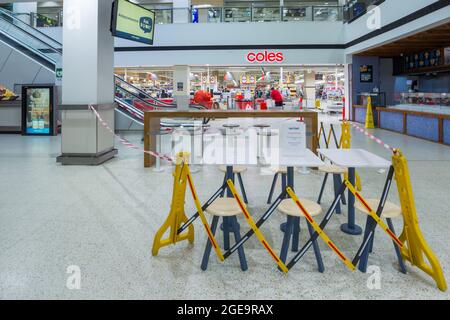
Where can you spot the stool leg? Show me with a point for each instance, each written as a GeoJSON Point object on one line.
{"type": "Point", "coordinates": [371, 243]}
{"type": "Point", "coordinates": [286, 238]}
{"type": "Point", "coordinates": [336, 190]}
{"type": "Point", "coordinates": [241, 183]}
{"type": "Point", "coordinates": [397, 250]}
{"type": "Point", "coordinates": [283, 181]}
{"type": "Point", "coordinates": [237, 238]}
{"type": "Point", "coordinates": [296, 234]}
{"type": "Point", "coordinates": [274, 183]}
{"type": "Point", "coordinates": [322, 188]}
{"type": "Point", "coordinates": [320, 265]}
{"type": "Point", "coordinates": [224, 181]}
{"type": "Point", "coordinates": [207, 252]}
{"type": "Point", "coordinates": [344, 202]}
{"type": "Point", "coordinates": [362, 266]}
{"type": "Point", "coordinates": [226, 233]}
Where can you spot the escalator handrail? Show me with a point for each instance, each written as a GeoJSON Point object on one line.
{"type": "Point", "coordinates": [143, 92]}
{"type": "Point", "coordinates": [146, 102]}
{"type": "Point", "coordinates": [10, 15]}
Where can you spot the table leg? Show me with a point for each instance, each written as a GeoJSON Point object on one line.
{"type": "Point", "coordinates": [350, 227]}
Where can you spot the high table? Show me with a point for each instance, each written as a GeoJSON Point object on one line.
{"type": "Point", "coordinates": [304, 158]}
{"type": "Point", "coordinates": [152, 120]}
{"type": "Point", "coordinates": [352, 159]}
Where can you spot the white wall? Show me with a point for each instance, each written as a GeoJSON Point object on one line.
{"type": "Point", "coordinates": [232, 34]}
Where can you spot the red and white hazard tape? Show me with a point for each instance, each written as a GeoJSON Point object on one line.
{"type": "Point", "coordinates": [127, 143]}
{"type": "Point", "coordinates": [372, 137]}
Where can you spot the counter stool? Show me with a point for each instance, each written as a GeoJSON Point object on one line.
{"type": "Point", "coordinates": [336, 171]}
{"type": "Point", "coordinates": [237, 170]}
{"type": "Point", "coordinates": [192, 132]}
{"type": "Point", "coordinates": [278, 171]}
{"type": "Point", "coordinates": [390, 211]}
{"type": "Point", "coordinates": [293, 213]}
{"type": "Point", "coordinates": [162, 132]}
{"type": "Point", "coordinates": [259, 130]}
{"type": "Point", "coordinates": [228, 209]}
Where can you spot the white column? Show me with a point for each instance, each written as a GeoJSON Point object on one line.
{"type": "Point", "coordinates": [26, 8]}
{"type": "Point", "coordinates": [181, 11]}
{"type": "Point", "coordinates": [310, 89]}
{"type": "Point", "coordinates": [88, 64]}
{"type": "Point", "coordinates": [181, 86]}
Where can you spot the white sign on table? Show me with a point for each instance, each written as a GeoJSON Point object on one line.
{"type": "Point", "coordinates": [293, 138]}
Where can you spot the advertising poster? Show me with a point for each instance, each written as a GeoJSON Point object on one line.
{"type": "Point", "coordinates": [447, 55]}
{"type": "Point", "coordinates": [366, 73]}
{"type": "Point", "coordinates": [38, 111]}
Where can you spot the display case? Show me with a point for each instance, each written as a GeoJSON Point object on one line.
{"type": "Point", "coordinates": [378, 99]}
{"type": "Point", "coordinates": [423, 102]}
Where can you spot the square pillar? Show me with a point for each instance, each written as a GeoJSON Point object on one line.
{"type": "Point", "coordinates": [182, 86]}
{"type": "Point", "coordinates": [88, 64]}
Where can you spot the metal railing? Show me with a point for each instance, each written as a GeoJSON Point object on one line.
{"type": "Point", "coordinates": [212, 15]}
{"type": "Point", "coordinates": [266, 14]}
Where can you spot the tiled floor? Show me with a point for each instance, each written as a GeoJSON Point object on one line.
{"type": "Point", "coordinates": [103, 219]}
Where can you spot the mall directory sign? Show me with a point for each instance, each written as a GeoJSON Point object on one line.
{"type": "Point", "coordinates": [37, 110]}
{"type": "Point", "coordinates": [133, 22]}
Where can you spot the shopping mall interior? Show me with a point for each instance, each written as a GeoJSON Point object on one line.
{"type": "Point", "coordinates": [313, 136]}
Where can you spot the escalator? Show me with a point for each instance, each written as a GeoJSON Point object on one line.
{"type": "Point", "coordinates": [46, 52]}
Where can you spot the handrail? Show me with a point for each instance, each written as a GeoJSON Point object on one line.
{"type": "Point", "coordinates": [10, 15]}
{"type": "Point", "coordinates": [116, 77]}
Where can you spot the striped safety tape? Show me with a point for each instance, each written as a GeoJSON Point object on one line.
{"type": "Point", "coordinates": [372, 137]}
{"type": "Point", "coordinates": [127, 143]}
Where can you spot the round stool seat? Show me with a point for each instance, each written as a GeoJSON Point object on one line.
{"type": "Point", "coordinates": [333, 169]}
{"type": "Point", "coordinates": [262, 126]}
{"type": "Point", "coordinates": [231, 126]}
{"type": "Point", "coordinates": [288, 207]}
{"type": "Point", "coordinates": [224, 207]}
{"type": "Point", "coordinates": [279, 169]}
{"type": "Point", "coordinates": [390, 209]}
{"type": "Point", "coordinates": [268, 133]}
{"type": "Point", "coordinates": [236, 169]}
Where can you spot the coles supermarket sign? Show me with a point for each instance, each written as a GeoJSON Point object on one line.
{"type": "Point", "coordinates": [265, 56]}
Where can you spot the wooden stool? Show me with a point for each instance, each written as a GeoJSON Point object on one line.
{"type": "Point", "coordinates": [390, 211]}
{"type": "Point", "coordinates": [237, 170]}
{"type": "Point", "coordinates": [293, 213]}
{"type": "Point", "coordinates": [336, 171]}
{"type": "Point", "coordinates": [278, 171]}
{"type": "Point", "coordinates": [228, 209]}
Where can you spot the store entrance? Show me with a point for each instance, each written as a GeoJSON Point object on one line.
{"type": "Point", "coordinates": [248, 87]}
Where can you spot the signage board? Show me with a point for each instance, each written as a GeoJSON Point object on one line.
{"type": "Point", "coordinates": [133, 22]}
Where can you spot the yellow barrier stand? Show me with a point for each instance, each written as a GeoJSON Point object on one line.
{"type": "Point", "coordinates": [319, 231]}
{"type": "Point", "coordinates": [252, 224]}
{"type": "Point", "coordinates": [177, 214]}
{"type": "Point", "coordinates": [345, 143]}
{"type": "Point", "coordinates": [369, 114]}
{"type": "Point", "coordinates": [373, 214]}
{"type": "Point", "coordinates": [415, 245]}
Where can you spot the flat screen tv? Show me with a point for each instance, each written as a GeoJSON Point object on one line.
{"type": "Point", "coordinates": [133, 22]}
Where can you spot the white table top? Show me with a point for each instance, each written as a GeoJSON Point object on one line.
{"type": "Point", "coordinates": [354, 158]}
{"type": "Point", "coordinates": [305, 158]}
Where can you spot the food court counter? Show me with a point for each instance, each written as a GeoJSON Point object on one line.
{"type": "Point", "coordinates": [430, 123]}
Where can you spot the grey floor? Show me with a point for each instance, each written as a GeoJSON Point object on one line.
{"type": "Point", "coordinates": [103, 219]}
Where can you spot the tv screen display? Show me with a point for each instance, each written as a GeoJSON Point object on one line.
{"type": "Point", "coordinates": [133, 22]}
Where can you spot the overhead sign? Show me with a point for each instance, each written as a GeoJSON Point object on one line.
{"type": "Point", "coordinates": [133, 22]}
{"type": "Point", "coordinates": [266, 56]}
